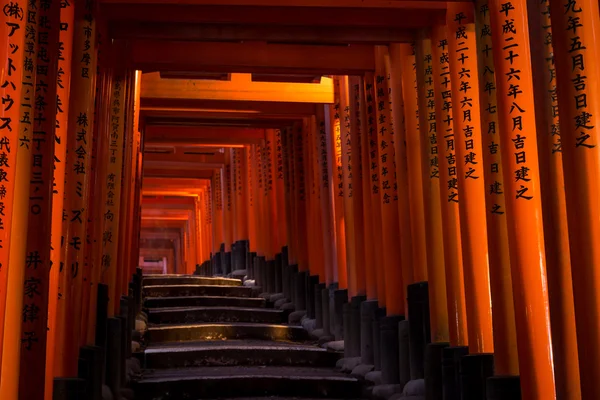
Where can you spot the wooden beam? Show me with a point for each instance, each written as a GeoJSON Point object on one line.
{"type": "Point", "coordinates": [181, 157]}
{"type": "Point", "coordinates": [404, 4]}
{"type": "Point", "coordinates": [164, 55]}
{"type": "Point", "coordinates": [182, 165]}
{"type": "Point", "coordinates": [266, 33]}
{"type": "Point", "coordinates": [177, 173]}
{"type": "Point", "coordinates": [239, 87]}
{"type": "Point", "coordinates": [188, 135]}
{"type": "Point", "coordinates": [415, 14]}
{"type": "Point", "coordinates": [181, 183]}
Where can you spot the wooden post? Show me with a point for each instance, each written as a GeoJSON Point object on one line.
{"type": "Point", "coordinates": [516, 116]}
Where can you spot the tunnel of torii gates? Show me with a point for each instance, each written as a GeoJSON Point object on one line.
{"type": "Point", "coordinates": [400, 157]}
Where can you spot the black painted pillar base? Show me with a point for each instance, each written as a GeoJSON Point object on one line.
{"type": "Point", "coordinates": [367, 313]}
{"type": "Point", "coordinates": [113, 355]}
{"type": "Point", "coordinates": [390, 362]}
{"type": "Point", "coordinates": [404, 351]}
{"type": "Point", "coordinates": [346, 329]}
{"type": "Point", "coordinates": [379, 313]}
{"type": "Point", "coordinates": [419, 334]}
{"type": "Point", "coordinates": [325, 301]}
{"type": "Point", "coordinates": [91, 369]}
{"type": "Point", "coordinates": [293, 275]}
{"type": "Point", "coordinates": [451, 357]}
{"type": "Point", "coordinates": [264, 273]}
{"type": "Point", "coordinates": [257, 272]}
{"type": "Point", "coordinates": [285, 276]}
{"type": "Point", "coordinates": [340, 297]}
{"type": "Point", "coordinates": [318, 295]}
{"type": "Point", "coordinates": [244, 254]}
{"type": "Point", "coordinates": [278, 274]}
{"type": "Point", "coordinates": [300, 302]}
{"type": "Point", "coordinates": [475, 369]}
{"type": "Point", "coordinates": [250, 273]}
{"type": "Point", "coordinates": [433, 371]}
{"type": "Point", "coordinates": [355, 323]}
{"type": "Point", "coordinates": [218, 266]}
{"type": "Point", "coordinates": [311, 281]}
{"type": "Point", "coordinates": [226, 263]}
{"type": "Point", "coordinates": [69, 389]}
{"type": "Point", "coordinates": [503, 387]}
{"type": "Point", "coordinates": [101, 315]}
{"type": "Point", "coordinates": [270, 268]}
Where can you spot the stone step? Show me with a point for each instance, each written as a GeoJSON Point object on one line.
{"type": "Point", "coordinates": [204, 301]}
{"type": "Point", "coordinates": [196, 290]}
{"type": "Point", "coordinates": [220, 382]}
{"type": "Point", "coordinates": [224, 331]}
{"type": "Point", "coordinates": [155, 280]}
{"type": "Point", "coordinates": [215, 314]}
{"type": "Point", "coordinates": [237, 352]}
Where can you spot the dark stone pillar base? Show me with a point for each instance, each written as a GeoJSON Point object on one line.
{"type": "Point", "coordinates": [433, 371]}
{"type": "Point", "coordinates": [226, 263]}
{"type": "Point", "coordinates": [311, 281]}
{"type": "Point", "coordinates": [91, 369]}
{"type": "Point", "coordinates": [285, 277]}
{"type": "Point", "coordinates": [251, 260]}
{"type": "Point", "coordinates": [450, 371]}
{"type": "Point", "coordinates": [404, 351]}
{"type": "Point", "coordinates": [355, 330]}
{"type": "Point", "coordinates": [325, 312]}
{"type": "Point", "coordinates": [346, 329]}
{"type": "Point", "coordinates": [332, 288]}
{"type": "Point", "coordinates": [340, 297]}
{"type": "Point", "coordinates": [390, 363]}
{"type": "Point", "coordinates": [418, 318]}
{"type": "Point", "coordinates": [278, 274]}
{"type": "Point", "coordinates": [244, 254]}
{"type": "Point", "coordinates": [475, 369]}
{"type": "Point", "coordinates": [318, 295]}
{"type": "Point", "coordinates": [293, 275]}
{"type": "Point", "coordinates": [379, 313]}
{"type": "Point", "coordinates": [264, 274]}
{"type": "Point", "coordinates": [367, 313]}
{"type": "Point", "coordinates": [270, 276]}
{"type": "Point", "coordinates": [69, 389]}
{"type": "Point", "coordinates": [101, 315]}
{"type": "Point", "coordinates": [300, 302]}
{"type": "Point", "coordinates": [503, 387]}
{"type": "Point", "coordinates": [113, 355]}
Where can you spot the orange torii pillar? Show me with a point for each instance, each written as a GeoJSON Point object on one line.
{"type": "Point", "coordinates": [518, 137]}
{"type": "Point", "coordinates": [436, 282]}
{"type": "Point", "coordinates": [352, 188]}
{"type": "Point", "coordinates": [326, 194]}
{"type": "Point", "coordinates": [374, 184]}
{"type": "Point", "coordinates": [240, 197]}
{"type": "Point", "coordinates": [228, 220]}
{"type": "Point", "coordinates": [300, 141]}
{"type": "Point", "coordinates": [281, 260]}
{"type": "Point", "coordinates": [503, 316]}
{"type": "Point", "coordinates": [462, 50]}
{"type": "Point", "coordinates": [340, 295]}
{"type": "Point", "coordinates": [317, 261]}
{"type": "Point", "coordinates": [556, 232]}
{"type": "Point", "coordinates": [449, 198]}
{"type": "Point", "coordinates": [288, 179]}
{"type": "Point", "coordinates": [31, 327]}
{"type": "Point", "coordinates": [243, 210]}
{"type": "Point", "coordinates": [575, 27]}
{"type": "Point", "coordinates": [395, 290]}
{"type": "Point", "coordinates": [258, 171]}
{"type": "Point", "coordinates": [217, 185]}
{"type": "Point", "coordinates": [18, 94]}
{"type": "Point", "coordinates": [270, 215]}
{"type": "Point", "coordinates": [251, 205]}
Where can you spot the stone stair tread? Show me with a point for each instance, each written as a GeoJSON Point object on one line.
{"type": "Point", "coordinates": [247, 372]}
{"type": "Point", "coordinates": [154, 278]}
{"type": "Point", "coordinates": [192, 299]}
{"type": "Point", "coordinates": [194, 285]}
{"type": "Point", "coordinates": [203, 308]}
{"type": "Point", "coordinates": [224, 324]}
{"type": "Point", "coordinates": [184, 290]}
{"type": "Point", "coordinates": [230, 344]}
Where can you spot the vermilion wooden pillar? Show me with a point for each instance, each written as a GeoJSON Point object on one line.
{"type": "Point", "coordinates": [300, 143]}
{"type": "Point", "coordinates": [335, 147]}
{"type": "Point", "coordinates": [462, 50]}
{"type": "Point", "coordinates": [110, 233]}
{"type": "Point", "coordinates": [388, 189]}
{"type": "Point", "coordinates": [375, 184]}
{"type": "Point", "coordinates": [575, 29]}
{"type": "Point", "coordinates": [12, 52]}
{"type": "Point", "coordinates": [37, 255]}
{"type": "Point", "coordinates": [217, 185]}
{"type": "Point", "coordinates": [227, 196]}
{"type": "Point", "coordinates": [282, 226]}
{"type": "Point", "coordinates": [356, 102]}
{"type": "Point", "coordinates": [516, 115]}
{"type": "Point", "coordinates": [270, 193]}
{"type": "Point", "coordinates": [430, 145]}
{"type": "Point", "coordinates": [503, 316]}
{"type": "Point", "coordinates": [313, 207]}
{"type": "Point", "coordinates": [556, 231]}
{"type": "Point", "coordinates": [449, 189]}
{"type": "Point", "coordinates": [368, 215]}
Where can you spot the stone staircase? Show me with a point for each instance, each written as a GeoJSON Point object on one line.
{"type": "Point", "coordinates": [214, 338]}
